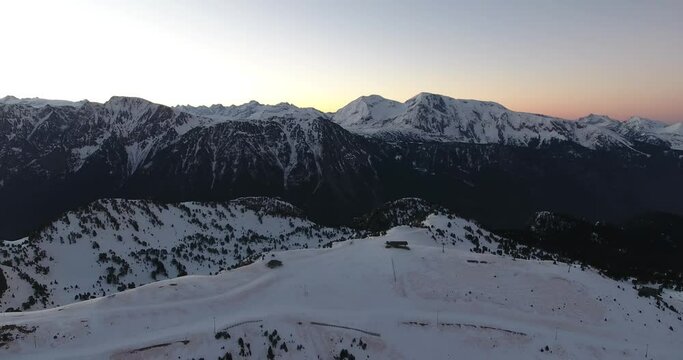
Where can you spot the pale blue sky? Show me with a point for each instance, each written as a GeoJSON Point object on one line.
{"type": "Point", "coordinates": [564, 58]}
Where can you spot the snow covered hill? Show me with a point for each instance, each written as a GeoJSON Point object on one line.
{"type": "Point", "coordinates": [443, 298]}
{"type": "Point", "coordinates": [113, 245]}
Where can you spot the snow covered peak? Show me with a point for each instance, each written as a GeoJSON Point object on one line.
{"type": "Point", "coordinates": [653, 132]}
{"type": "Point", "coordinates": [253, 110]}
{"type": "Point", "coordinates": [598, 120]}
{"type": "Point", "coordinates": [9, 99]}
{"type": "Point", "coordinates": [372, 110]}
{"type": "Point", "coordinates": [125, 103]}
{"type": "Point", "coordinates": [638, 129]}
{"type": "Point", "coordinates": [38, 102]}
{"type": "Point", "coordinates": [637, 123]}
{"type": "Point", "coordinates": [426, 114]}
{"type": "Point", "coordinates": [373, 101]}
{"type": "Point", "coordinates": [373, 113]}
{"type": "Point", "coordinates": [676, 128]}
{"type": "Point", "coordinates": [442, 102]}
{"type": "Point", "coordinates": [126, 114]}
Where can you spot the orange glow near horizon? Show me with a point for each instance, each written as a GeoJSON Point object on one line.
{"type": "Point", "coordinates": [564, 59]}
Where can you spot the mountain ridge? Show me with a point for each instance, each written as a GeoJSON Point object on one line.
{"type": "Point", "coordinates": [39, 102]}
{"type": "Point", "coordinates": [56, 158]}
{"type": "Point", "coordinates": [424, 117]}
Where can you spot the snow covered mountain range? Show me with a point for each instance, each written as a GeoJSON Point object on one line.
{"type": "Point", "coordinates": [58, 155]}
{"type": "Point", "coordinates": [441, 118]}
{"type": "Point", "coordinates": [640, 129]}
{"type": "Point", "coordinates": [124, 146]}
{"type": "Point", "coordinates": [423, 117]}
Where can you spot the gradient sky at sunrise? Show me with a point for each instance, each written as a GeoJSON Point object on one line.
{"type": "Point", "coordinates": [562, 58]}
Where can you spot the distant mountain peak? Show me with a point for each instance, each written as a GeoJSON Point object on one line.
{"type": "Point", "coordinates": [592, 117]}
{"type": "Point", "coordinates": [39, 102]}
{"type": "Point", "coordinates": [600, 121]}
{"type": "Point", "coordinates": [638, 122]}
{"type": "Point", "coordinates": [253, 110]}
{"type": "Point", "coordinates": [372, 98]}
{"type": "Point", "coordinates": [127, 100]}
{"type": "Point", "coordinates": [676, 128]}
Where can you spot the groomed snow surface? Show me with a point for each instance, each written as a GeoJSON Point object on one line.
{"type": "Point", "coordinates": [438, 300]}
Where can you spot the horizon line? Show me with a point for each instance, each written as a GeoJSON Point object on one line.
{"type": "Point", "coordinates": [355, 99]}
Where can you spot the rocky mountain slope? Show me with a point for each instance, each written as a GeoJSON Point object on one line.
{"type": "Point", "coordinates": [57, 157]}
